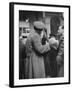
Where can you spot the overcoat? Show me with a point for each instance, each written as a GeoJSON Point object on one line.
{"type": "Point", "coordinates": [35, 62]}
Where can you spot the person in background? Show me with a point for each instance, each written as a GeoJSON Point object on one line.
{"type": "Point", "coordinates": [34, 61]}
{"type": "Point", "coordinates": [60, 55]}
{"type": "Point", "coordinates": [52, 55]}
{"type": "Point", "coordinates": [22, 56]}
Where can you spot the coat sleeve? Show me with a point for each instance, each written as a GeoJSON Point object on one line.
{"type": "Point", "coordinates": [38, 45]}
{"type": "Point", "coordinates": [61, 46]}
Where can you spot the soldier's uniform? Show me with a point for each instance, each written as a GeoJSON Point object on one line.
{"type": "Point", "coordinates": [34, 49]}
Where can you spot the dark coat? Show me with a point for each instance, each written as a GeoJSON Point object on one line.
{"type": "Point", "coordinates": [22, 56]}
{"type": "Point", "coordinates": [61, 54]}
{"type": "Point", "coordinates": [34, 61]}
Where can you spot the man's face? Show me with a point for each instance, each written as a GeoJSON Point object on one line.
{"type": "Point", "coordinates": [60, 31]}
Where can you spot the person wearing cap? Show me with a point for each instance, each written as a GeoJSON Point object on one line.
{"type": "Point", "coordinates": [35, 50]}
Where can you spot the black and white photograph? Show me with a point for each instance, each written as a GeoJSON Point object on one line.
{"type": "Point", "coordinates": [40, 44]}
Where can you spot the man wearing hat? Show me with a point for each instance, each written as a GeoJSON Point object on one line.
{"type": "Point", "coordinates": [35, 50]}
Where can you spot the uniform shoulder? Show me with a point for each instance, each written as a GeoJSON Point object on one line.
{"type": "Point", "coordinates": [32, 37]}
{"type": "Point", "coordinates": [35, 35]}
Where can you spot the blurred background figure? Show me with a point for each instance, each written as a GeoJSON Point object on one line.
{"type": "Point", "coordinates": [60, 55]}
{"type": "Point", "coordinates": [24, 31]}
{"type": "Point", "coordinates": [22, 56]}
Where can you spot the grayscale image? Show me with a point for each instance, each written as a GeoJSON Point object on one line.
{"type": "Point", "coordinates": [41, 44]}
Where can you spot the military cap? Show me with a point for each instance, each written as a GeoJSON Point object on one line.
{"type": "Point", "coordinates": [39, 25]}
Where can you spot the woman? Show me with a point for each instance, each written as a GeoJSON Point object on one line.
{"type": "Point", "coordinates": [52, 55]}
{"type": "Point", "coordinates": [45, 39]}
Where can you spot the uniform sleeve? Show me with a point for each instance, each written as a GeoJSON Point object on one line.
{"type": "Point", "coordinates": [38, 46]}
{"type": "Point", "coordinates": [61, 46]}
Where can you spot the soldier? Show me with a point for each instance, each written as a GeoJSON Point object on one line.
{"type": "Point", "coordinates": [35, 62]}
